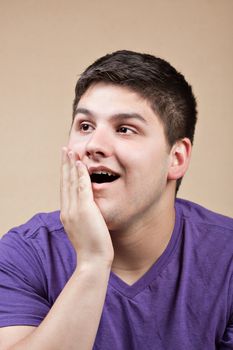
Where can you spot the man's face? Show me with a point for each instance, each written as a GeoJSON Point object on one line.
{"type": "Point", "coordinates": [115, 131]}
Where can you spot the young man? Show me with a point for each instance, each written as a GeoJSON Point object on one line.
{"type": "Point", "coordinates": [128, 266]}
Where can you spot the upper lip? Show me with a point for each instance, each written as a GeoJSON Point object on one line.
{"type": "Point", "coordinates": [104, 169]}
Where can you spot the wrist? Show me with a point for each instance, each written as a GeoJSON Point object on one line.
{"type": "Point", "coordinates": [94, 263]}
{"type": "Point", "coordinates": [103, 260]}
{"type": "Point", "coordinates": [92, 274]}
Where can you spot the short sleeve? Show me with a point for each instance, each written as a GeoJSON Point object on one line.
{"type": "Point", "coordinates": [23, 298]}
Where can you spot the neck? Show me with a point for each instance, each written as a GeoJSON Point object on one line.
{"type": "Point", "coordinates": [138, 246]}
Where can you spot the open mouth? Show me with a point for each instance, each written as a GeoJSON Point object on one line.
{"type": "Point", "coordinates": [103, 177]}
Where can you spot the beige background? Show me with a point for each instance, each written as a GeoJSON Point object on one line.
{"type": "Point", "coordinates": [45, 45]}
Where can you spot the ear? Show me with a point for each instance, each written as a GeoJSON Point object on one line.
{"type": "Point", "coordinates": [180, 157]}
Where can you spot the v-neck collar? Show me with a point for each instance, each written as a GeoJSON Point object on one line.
{"type": "Point", "coordinates": [131, 291]}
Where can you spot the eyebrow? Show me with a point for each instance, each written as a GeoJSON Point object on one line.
{"type": "Point", "coordinates": [121, 115]}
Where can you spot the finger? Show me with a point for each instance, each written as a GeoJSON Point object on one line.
{"type": "Point", "coordinates": [74, 183]}
{"type": "Point", "coordinates": [85, 192]}
{"type": "Point", "coordinates": [65, 179]}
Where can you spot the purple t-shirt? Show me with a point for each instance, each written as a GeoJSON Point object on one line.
{"type": "Point", "coordinates": [184, 302]}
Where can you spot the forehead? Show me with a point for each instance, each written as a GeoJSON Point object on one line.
{"type": "Point", "coordinates": [108, 99]}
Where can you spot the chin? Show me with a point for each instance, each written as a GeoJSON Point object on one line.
{"type": "Point", "coordinates": [111, 219]}
{"type": "Point", "coordinates": [114, 222]}
{"type": "Point", "coordinates": [111, 214]}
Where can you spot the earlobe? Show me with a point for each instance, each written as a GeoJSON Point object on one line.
{"type": "Point", "coordinates": [180, 157]}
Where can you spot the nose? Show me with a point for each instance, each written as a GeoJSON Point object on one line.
{"type": "Point", "coordinates": [99, 145]}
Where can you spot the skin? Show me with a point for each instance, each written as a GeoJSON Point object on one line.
{"type": "Point", "coordinates": [132, 197]}
{"type": "Point", "coordinates": [116, 128]}
{"type": "Point", "coordinates": [123, 226]}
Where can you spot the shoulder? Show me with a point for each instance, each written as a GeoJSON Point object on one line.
{"type": "Point", "coordinates": [206, 257]}
{"type": "Point", "coordinates": [205, 229]}
{"type": "Point", "coordinates": [49, 221]}
{"type": "Point", "coordinates": [38, 225]}
{"type": "Point", "coordinates": [36, 260]}
{"type": "Point", "coordinates": [36, 239]}
{"type": "Point", "coordinates": [198, 215]}
{"type": "Point", "coordinates": [39, 251]}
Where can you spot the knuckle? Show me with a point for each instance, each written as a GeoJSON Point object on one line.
{"type": "Point", "coordinates": [81, 187]}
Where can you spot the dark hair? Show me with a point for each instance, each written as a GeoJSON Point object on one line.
{"type": "Point", "coordinates": [167, 91]}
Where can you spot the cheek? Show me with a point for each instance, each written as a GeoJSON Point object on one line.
{"type": "Point", "coordinates": [77, 147]}
{"type": "Point", "coordinates": [134, 161]}
{"type": "Point", "coordinates": [137, 157]}
{"type": "Point", "coordinates": [146, 164]}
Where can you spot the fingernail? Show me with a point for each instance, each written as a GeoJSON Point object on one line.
{"type": "Point", "coordinates": [70, 154]}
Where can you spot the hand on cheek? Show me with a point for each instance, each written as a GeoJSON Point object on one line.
{"type": "Point", "coordinates": [82, 220]}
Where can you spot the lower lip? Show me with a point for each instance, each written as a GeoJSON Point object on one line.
{"type": "Point", "coordinates": [103, 186]}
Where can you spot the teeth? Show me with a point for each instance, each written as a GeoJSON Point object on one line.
{"type": "Point", "coordinates": [103, 173]}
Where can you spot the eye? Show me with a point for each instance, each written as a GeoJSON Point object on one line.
{"type": "Point", "coordinates": [85, 127]}
{"type": "Point", "coordinates": [125, 130]}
